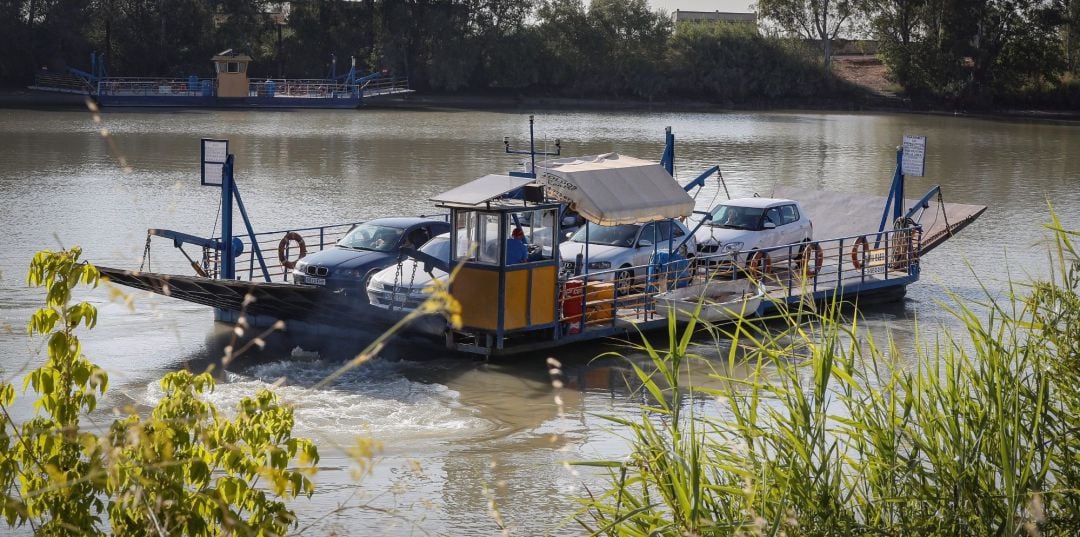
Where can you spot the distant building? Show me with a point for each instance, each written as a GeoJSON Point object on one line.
{"type": "Point", "coordinates": [714, 17]}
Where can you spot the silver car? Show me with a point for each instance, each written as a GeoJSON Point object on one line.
{"type": "Point", "coordinates": [622, 251]}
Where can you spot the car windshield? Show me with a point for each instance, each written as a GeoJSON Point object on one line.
{"type": "Point", "coordinates": [735, 217]}
{"type": "Point", "coordinates": [372, 237]}
{"type": "Point", "coordinates": [623, 235]}
{"type": "Point", "coordinates": [439, 248]}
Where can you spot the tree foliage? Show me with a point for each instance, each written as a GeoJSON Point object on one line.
{"type": "Point", "coordinates": [973, 52]}
{"type": "Point", "coordinates": [185, 470]}
{"type": "Point", "coordinates": [819, 20]}
{"type": "Point", "coordinates": [969, 52]}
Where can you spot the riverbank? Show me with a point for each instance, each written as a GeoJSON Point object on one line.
{"type": "Point", "coordinates": [858, 102]}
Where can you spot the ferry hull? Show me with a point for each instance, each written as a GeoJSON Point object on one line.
{"type": "Point", "coordinates": [189, 101]}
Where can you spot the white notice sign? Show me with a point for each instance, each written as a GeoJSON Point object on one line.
{"type": "Point", "coordinates": [214, 154]}
{"type": "Point", "coordinates": [914, 155]}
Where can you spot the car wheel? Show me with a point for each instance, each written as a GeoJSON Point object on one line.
{"type": "Point", "coordinates": [624, 281]}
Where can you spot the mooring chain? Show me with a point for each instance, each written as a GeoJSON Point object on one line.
{"type": "Point", "coordinates": [145, 255]}
{"type": "Point", "coordinates": [412, 280]}
{"type": "Point", "coordinates": [941, 201]}
{"type": "Point", "coordinates": [397, 281]}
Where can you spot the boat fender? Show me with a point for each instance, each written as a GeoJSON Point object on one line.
{"type": "Point", "coordinates": [819, 259]}
{"type": "Point", "coordinates": [759, 260]}
{"type": "Point", "coordinates": [282, 246]}
{"type": "Point", "coordinates": [858, 251]}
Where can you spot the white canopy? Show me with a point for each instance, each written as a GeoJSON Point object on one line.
{"type": "Point", "coordinates": [611, 189]}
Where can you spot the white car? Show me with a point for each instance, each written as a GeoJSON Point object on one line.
{"type": "Point", "coordinates": [404, 288]}
{"type": "Point", "coordinates": [749, 224]}
{"type": "Point", "coordinates": [624, 248]}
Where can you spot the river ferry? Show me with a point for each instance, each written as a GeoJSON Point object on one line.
{"type": "Point", "coordinates": [231, 87]}
{"type": "Point", "coordinates": [513, 303]}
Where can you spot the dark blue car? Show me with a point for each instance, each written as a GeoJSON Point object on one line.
{"type": "Point", "coordinates": [365, 250]}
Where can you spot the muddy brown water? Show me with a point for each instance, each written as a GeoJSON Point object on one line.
{"type": "Point", "coordinates": [457, 433]}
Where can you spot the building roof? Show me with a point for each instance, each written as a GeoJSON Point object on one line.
{"type": "Point", "coordinates": [610, 189]}
{"type": "Point", "coordinates": [719, 16]}
{"type": "Point", "coordinates": [229, 55]}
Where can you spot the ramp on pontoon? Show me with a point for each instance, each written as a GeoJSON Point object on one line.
{"type": "Point", "coordinates": [840, 214]}
{"type": "Point", "coordinates": [278, 300]}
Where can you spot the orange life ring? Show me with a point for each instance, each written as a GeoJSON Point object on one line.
{"type": "Point", "coordinates": [819, 258]}
{"type": "Point", "coordinates": [291, 236]}
{"type": "Point", "coordinates": [758, 264]}
{"type": "Point", "coordinates": [856, 255]}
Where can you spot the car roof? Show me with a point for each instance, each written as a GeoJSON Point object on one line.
{"type": "Point", "coordinates": [757, 203]}
{"type": "Point", "coordinates": [404, 221]}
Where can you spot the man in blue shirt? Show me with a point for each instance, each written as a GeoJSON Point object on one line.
{"type": "Point", "coordinates": [516, 250]}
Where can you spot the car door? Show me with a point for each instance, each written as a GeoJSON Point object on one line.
{"type": "Point", "coordinates": [642, 252]}
{"type": "Point", "coordinates": [790, 224]}
{"type": "Point", "coordinates": [775, 236]}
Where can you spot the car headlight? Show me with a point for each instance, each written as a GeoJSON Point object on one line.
{"type": "Point", "coordinates": [732, 247]}
{"type": "Point", "coordinates": [301, 265]}
{"type": "Point", "coordinates": [600, 265]}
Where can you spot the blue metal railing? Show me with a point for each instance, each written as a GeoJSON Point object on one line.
{"type": "Point", "coordinates": [788, 272]}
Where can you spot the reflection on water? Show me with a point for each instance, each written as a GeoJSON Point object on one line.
{"type": "Point", "coordinates": [459, 434]}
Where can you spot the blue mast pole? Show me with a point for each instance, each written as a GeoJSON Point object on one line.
{"type": "Point", "coordinates": [532, 147]}
{"type": "Point", "coordinates": [667, 160]}
{"type": "Point", "coordinates": [228, 259]}
{"type": "Point", "coordinates": [895, 200]}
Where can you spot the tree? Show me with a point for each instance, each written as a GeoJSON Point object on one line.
{"type": "Point", "coordinates": [185, 470]}
{"type": "Point", "coordinates": [820, 20]}
{"type": "Point", "coordinates": [898, 25]}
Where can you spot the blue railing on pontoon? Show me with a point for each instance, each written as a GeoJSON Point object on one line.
{"type": "Point", "coordinates": [791, 272]}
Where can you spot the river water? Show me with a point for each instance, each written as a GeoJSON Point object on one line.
{"type": "Point", "coordinates": [459, 436]}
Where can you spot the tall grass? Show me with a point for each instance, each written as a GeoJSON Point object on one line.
{"type": "Point", "coordinates": [836, 433]}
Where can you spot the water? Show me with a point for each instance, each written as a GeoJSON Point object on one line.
{"type": "Point", "coordinates": [455, 433]}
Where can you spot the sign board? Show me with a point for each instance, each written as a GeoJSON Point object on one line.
{"type": "Point", "coordinates": [214, 155]}
{"type": "Point", "coordinates": [914, 158]}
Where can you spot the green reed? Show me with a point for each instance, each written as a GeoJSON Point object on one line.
{"type": "Point", "coordinates": [836, 433]}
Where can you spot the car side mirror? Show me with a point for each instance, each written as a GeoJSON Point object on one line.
{"type": "Point", "coordinates": [569, 234]}
{"type": "Point", "coordinates": [769, 225]}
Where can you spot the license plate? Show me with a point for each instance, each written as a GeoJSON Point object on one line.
{"type": "Point", "coordinates": [314, 281]}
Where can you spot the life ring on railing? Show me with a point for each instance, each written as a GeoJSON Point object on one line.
{"type": "Point", "coordinates": [759, 263]}
{"type": "Point", "coordinates": [856, 254]}
{"type": "Point", "coordinates": [819, 258]}
{"type": "Point", "coordinates": [282, 246]}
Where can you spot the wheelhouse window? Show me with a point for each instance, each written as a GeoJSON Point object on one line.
{"type": "Point", "coordinates": [477, 237]}
{"type": "Point", "coordinates": [232, 67]}
{"type": "Point", "coordinates": [537, 231]}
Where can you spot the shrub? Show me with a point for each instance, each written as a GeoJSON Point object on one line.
{"type": "Point", "coordinates": [833, 434]}
{"type": "Point", "coordinates": [185, 470]}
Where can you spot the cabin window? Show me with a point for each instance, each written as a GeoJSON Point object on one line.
{"type": "Point", "coordinates": [477, 237]}
{"type": "Point", "coordinates": [538, 230]}
{"type": "Point", "coordinates": [232, 67]}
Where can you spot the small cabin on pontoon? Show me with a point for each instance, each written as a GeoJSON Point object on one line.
{"type": "Point", "coordinates": [528, 302]}
{"type": "Point", "coordinates": [231, 68]}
